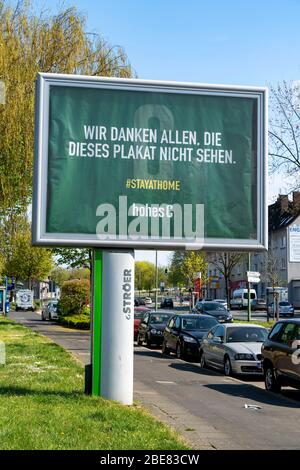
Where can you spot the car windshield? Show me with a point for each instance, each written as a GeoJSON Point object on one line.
{"type": "Point", "coordinates": [139, 315]}
{"type": "Point", "coordinates": [197, 323]}
{"type": "Point", "coordinates": [159, 318]}
{"type": "Point", "coordinates": [284, 304]}
{"type": "Point", "coordinates": [246, 335]}
{"type": "Point", "coordinates": [213, 306]}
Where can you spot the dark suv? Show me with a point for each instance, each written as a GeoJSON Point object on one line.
{"type": "Point", "coordinates": [281, 355]}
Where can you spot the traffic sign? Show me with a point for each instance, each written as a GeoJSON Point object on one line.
{"type": "Point", "coordinates": [253, 274]}
{"type": "Point", "coordinates": [254, 280]}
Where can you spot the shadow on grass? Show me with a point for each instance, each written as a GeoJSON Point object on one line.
{"type": "Point", "coordinates": [10, 391]}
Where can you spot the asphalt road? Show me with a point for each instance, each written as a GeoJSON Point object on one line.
{"type": "Point", "coordinates": [207, 408]}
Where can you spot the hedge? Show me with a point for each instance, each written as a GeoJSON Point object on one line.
{"type": "Point", "coordinates": [75, 297]}
{"type": "Point", "coordinates": [80, 322]}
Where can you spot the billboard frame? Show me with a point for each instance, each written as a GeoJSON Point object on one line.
{"type": "Point", "coordinates": [39, 234]}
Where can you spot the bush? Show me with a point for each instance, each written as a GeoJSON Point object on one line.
{"type": "Point", "coordinates": [80, 322]}
{"type": "Point", "coordinates": [75, 297]}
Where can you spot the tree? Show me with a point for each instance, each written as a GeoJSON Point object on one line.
{"type": "Point", "coordinates": [184, 267]}
{"type": "Point", "coordinates": [225, 262]}
{"type": "Point", "coordinates": [193, 263]}
{"type": "Point", "coordinates": [175, 275]}
{"type": "Point", "coordinates": [270, 274]}
{"type": "Point", "coordinates": [30, 44]}
{"type": "Point", "coordinates": [144, 275]}
{"type": "Point", "coordinates": [284, 130]}
{"type": "Point", "coordinates": [26, 261]}
{"type": "Point", "coordinates": [74, 257]}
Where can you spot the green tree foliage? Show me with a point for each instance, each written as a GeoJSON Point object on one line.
{"type": "Point", "coordinates": [30, 44]}
{"type": "Point", "coordinates": [184, 267]}
{"type": "Point", "coordinates": [194, 262]}
{"type": "Point", "coordinates": [144, 275]}
{"type": "Point", "coordinates": [25, 262]}
{"type": "Point", "coordinates": [75, 297]}
{"type": "Point", "coordinates": [59, 275]}
{"type": "Point", "coordinates": [73, 257]}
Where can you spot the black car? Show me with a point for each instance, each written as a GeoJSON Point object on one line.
{"type": "Point", "coordinates": [281, 356]}
{"type": "Point", "coordinates": [183, 334]}
{"type": "Point", "coordinates": [152, 327]}
{"type": "Point", "coordinates": [214, 309]}
{"type": "Point", "coordinates": [138, 301]}
{"type": "Point", "coordinates": [167, 303]}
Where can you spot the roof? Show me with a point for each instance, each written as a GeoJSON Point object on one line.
{"type": "Point", "coordinates": [279, 219]}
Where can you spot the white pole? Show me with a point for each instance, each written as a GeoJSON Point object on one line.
{"type": "Point", "coordinates": [117, 326]}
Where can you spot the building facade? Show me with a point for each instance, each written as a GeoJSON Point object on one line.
{"type": "Point", "coordinates": [280, 266]}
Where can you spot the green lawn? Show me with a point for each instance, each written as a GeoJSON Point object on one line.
{"type": "Point", "coordinates": [42, 405]}
{"type": "Point", "coordinates": [258, 322]}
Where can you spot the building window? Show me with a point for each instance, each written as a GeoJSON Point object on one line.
{"type": "Point", "coordinates": [283, 264]}
{"type": "Point", "coordinates": [283, 242]}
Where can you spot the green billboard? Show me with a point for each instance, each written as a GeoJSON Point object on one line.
{"type": "Point", "coordinates": [133, 163]}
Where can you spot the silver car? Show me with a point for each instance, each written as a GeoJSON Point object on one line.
{"type": "Point", "coordinates": [50, 311]}
{"type": "Point", "coordinates": [234, 348]}
{"type": "Point", "coordinates": [286, 309]}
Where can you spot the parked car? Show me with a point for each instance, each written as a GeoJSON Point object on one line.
{"type": "Point", "coordinates": [152, 327]}
{"type": "Point", "coordinates": [139, 301]}
{"type": "Point", "coordinates": [139, 313]}
{"type": "Point", "coordinates": [258, 304]}
{"type": "Point", "coordinates": [281, 356]}
{"type": "Point", "coordinates": [214, 309]}
{"type": "Point", "coordinates": [234, 348]}
{"type": "Point", "coordinates": [148, 301]}
{"type": "Point", "coordinates": [222, 302]}
{"type": "Point", "coordinates": [49, 312]}
{"type": "Point", "coordinates": [167, 302]}
{"type": "Point", "coordinates": [286, 309]}
{"type": "Point", "coordinates": [184, 333]}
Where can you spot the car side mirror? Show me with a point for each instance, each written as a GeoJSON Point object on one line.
{"type": "Point", "coordinates": [218, 339]}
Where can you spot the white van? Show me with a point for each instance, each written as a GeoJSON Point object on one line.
{"type": "Point", "coordinates": [240, 298]}
{"type": "Point", "coordinates": [24, 300]}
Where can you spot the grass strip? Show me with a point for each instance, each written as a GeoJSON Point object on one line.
{"type": "Point", "coordinates": [42, 404]}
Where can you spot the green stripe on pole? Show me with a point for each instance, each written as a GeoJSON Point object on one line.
{"type": "Point", "coordinates": [97, 323]}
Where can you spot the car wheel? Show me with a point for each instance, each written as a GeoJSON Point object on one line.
{"type": "Point", "coordinates": [202, 360]}
{"type": "Point", "coordinates": [43, 318]}
{"type": "Point", "coordinates": [271, 382]}
{"type": "Point", "coordinates": [165, 350]}
{"type": "Point", "coordinates": [179, 353]}
{"type": "Point", "coordinates": [138, 340]}
{"type": "Point", "coordinates": [227, 367]}
{"type": "Point", "coordinates": [148, 342]}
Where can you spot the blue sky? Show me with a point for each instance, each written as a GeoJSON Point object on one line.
{"type": "Point", "coordinates": [234, 41]}
{"type": "Point", "coordinates": [239, 42]}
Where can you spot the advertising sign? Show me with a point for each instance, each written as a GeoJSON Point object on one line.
{"type": "Point", "coordinates": [144, 164]}
{"type": "Point", "coordinates": [294, 243]}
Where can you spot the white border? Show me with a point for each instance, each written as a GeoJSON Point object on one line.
{"type": "Point", "coordinates": [39, 235]}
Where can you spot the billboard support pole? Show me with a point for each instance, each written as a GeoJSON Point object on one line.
{"type": "Point", "coordinates": [113, 299]}
{"type": "Point", "coordinates": [249, 287]}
